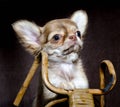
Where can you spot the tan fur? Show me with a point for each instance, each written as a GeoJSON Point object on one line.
{"type": "Point", "coordinates": [60, 39]}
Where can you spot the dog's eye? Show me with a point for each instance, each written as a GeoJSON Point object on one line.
{"type": "Point", "coordinates": [78, 34]}
{"type": "Point", "coordinates": [56, 37]}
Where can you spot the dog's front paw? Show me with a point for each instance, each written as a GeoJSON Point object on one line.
{"type": "Point", "coordinates": [67, 86]}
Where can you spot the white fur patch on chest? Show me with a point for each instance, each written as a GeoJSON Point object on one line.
{"type": "Point", "coordinates": [67, 71]}
{"type": "Point", "coordinates": [67, 75]}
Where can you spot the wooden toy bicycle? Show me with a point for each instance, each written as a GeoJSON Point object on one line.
{"type": "Point", "coordinates": [77, 97]}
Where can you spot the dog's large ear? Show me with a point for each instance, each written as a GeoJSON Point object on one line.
{"type": "Point", "coordinates": [28, 34]}
{"type": "Point", "coordinates": [81, 19]}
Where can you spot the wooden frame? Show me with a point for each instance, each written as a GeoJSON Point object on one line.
{"type": "Point", "coordinates": [77, 97]}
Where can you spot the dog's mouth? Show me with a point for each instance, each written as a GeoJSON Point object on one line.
{"type": "Point", "coordinates": [68, 50]}
{"type": "Point", "coordinates": [64, 54]}
{"type": "Point", "coordinates": [73, 48]}
{"type": "Point", "coordinates": [63, 51]}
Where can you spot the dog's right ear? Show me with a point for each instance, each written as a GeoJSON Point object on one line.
{"type": "Point", "coordinates": [29, 35]}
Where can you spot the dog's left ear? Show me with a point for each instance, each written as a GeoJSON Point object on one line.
{"type": "Point", "coordinates": [80, 17]}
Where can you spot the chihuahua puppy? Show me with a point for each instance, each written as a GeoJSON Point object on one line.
{"type": "Point", "coordinates": [62, 40]}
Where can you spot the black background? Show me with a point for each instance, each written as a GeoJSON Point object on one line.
{"type": "Point", "coordinates": [102, 41]}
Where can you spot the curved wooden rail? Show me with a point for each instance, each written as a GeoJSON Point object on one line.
{"type": "Point", "coordinates": [27, 81]}
{"type": "Point", "coordinates": [103, 89]}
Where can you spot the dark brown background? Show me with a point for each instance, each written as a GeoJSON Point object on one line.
{"type": "Point", "coordinates": [102, 41]}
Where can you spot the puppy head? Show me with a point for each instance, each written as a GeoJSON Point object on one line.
{"type": "Point", "coordinates": [60, 38]}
